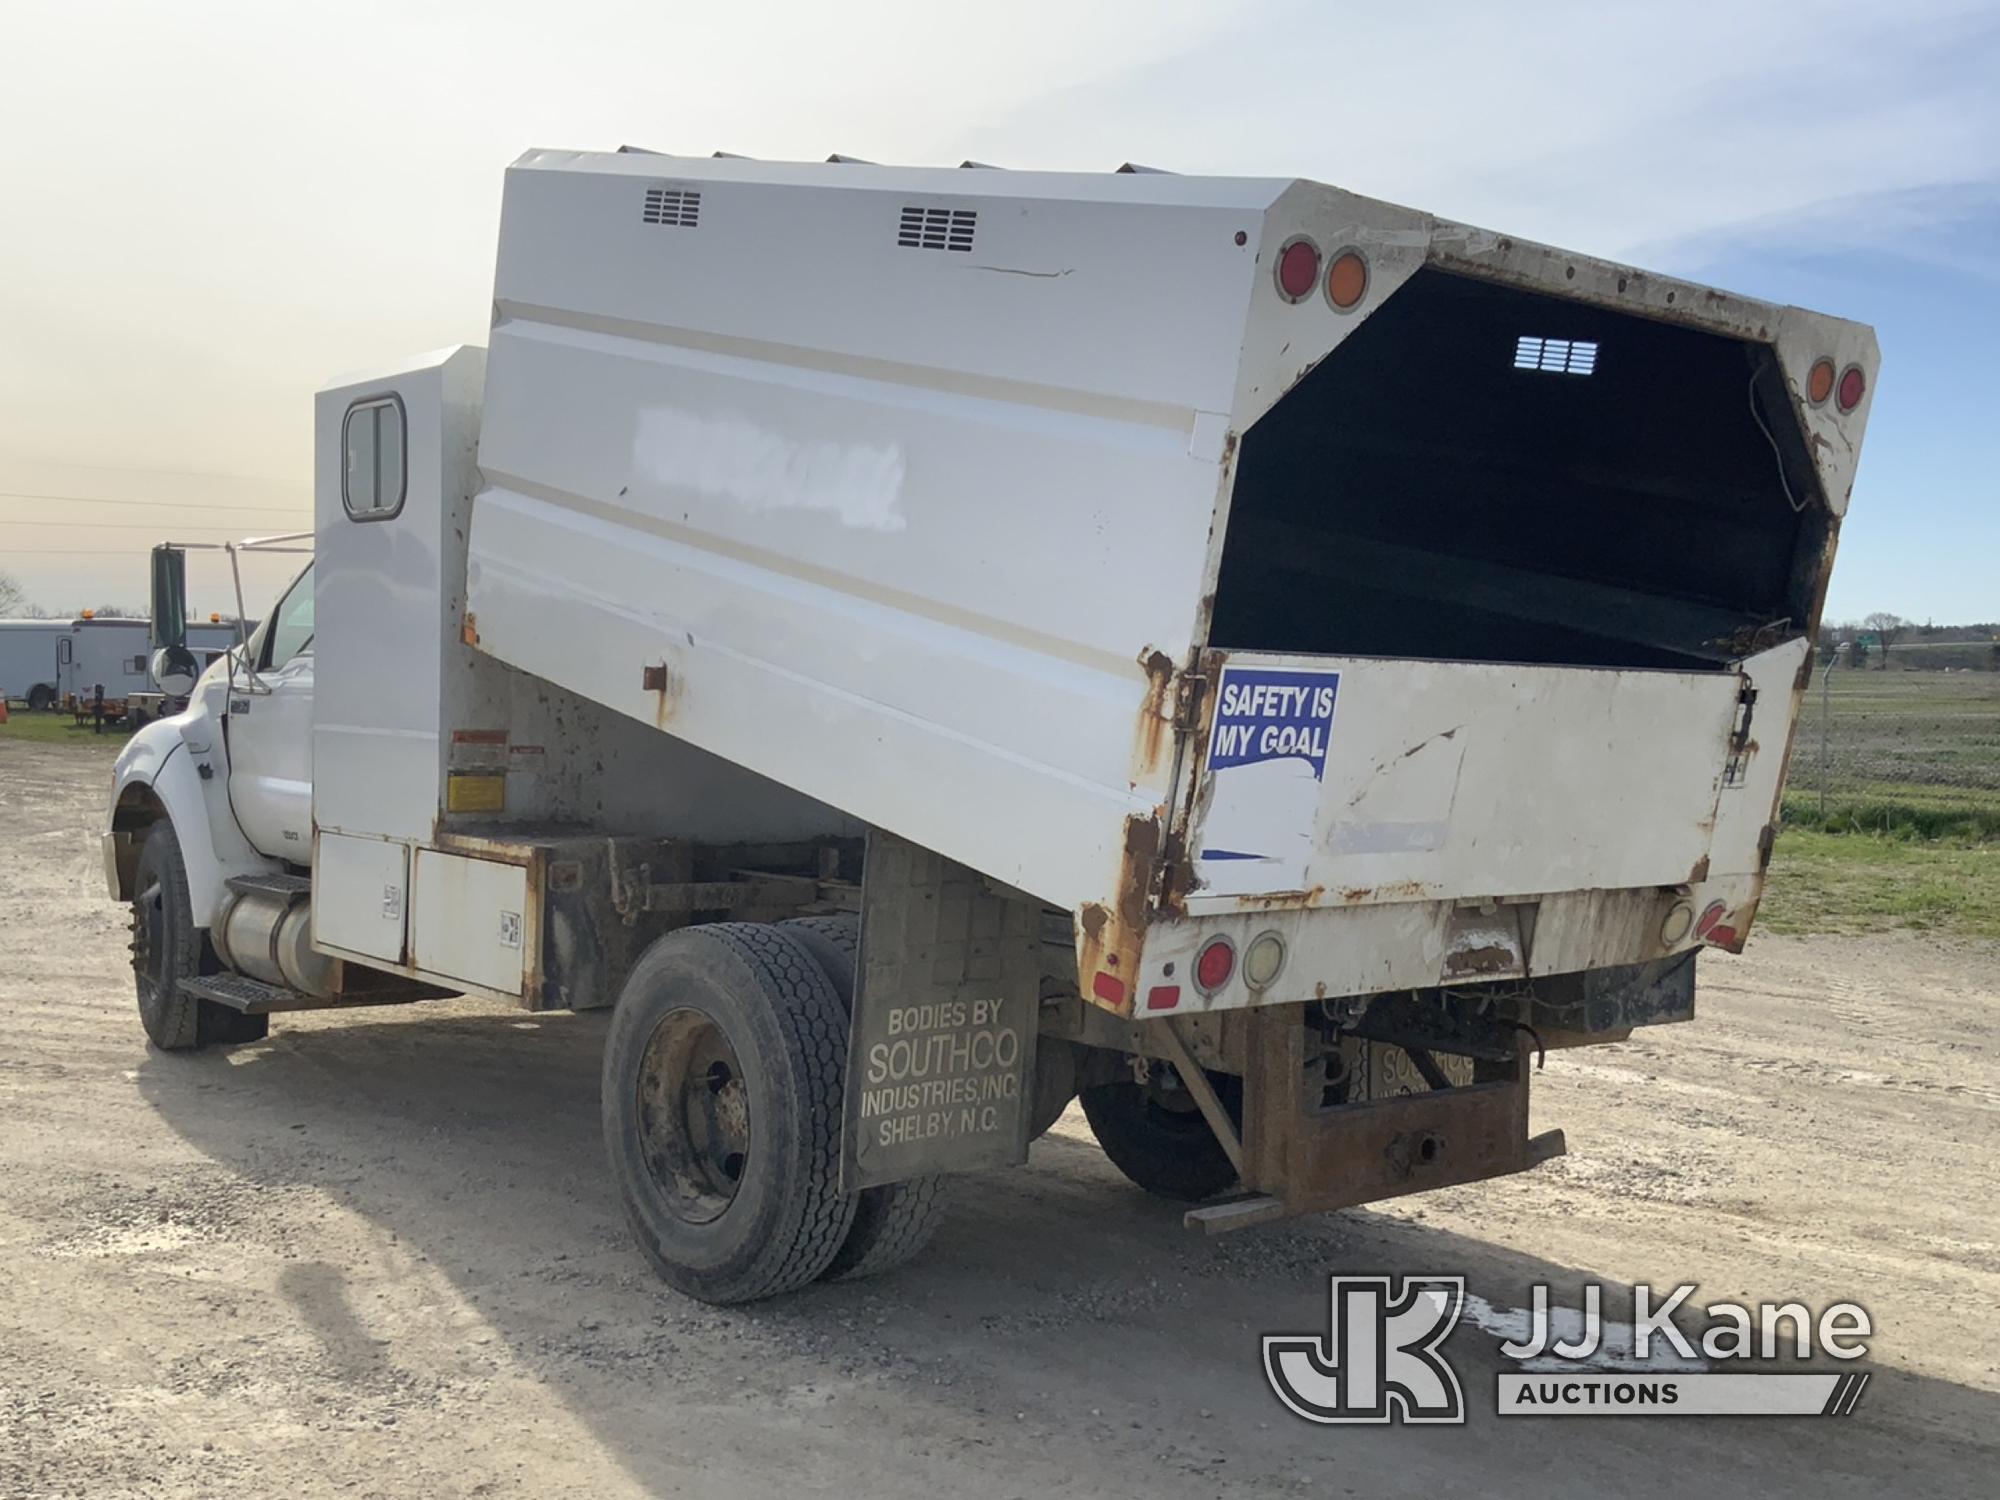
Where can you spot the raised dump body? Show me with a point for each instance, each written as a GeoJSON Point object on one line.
{"type": "Point", "coordinates": [1206, 557]}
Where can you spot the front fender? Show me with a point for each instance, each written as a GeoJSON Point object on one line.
{"type": "Point", "coordinates": [160, 773]}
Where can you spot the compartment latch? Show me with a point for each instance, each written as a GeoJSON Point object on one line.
{"type": "Point", "coordinates": [1741, 746]}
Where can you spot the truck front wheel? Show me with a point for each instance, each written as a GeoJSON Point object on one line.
{"type": "Point", "coordinates": [721, 1096]}
{"type": "Point", "coordinates": [167, 947]}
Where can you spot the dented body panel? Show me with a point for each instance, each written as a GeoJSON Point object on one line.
{"type": "Point", "coordinates": [929, 528]}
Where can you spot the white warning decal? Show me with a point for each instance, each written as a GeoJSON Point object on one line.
{"type": "Point", "coordinates": [1267, 752]}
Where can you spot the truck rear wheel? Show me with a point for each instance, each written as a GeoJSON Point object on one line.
{"type": "Point", "coordinates": [167, 947]}
{"type": "Point", "coordinates": [894, 1222]}
{"type": "Point", "coordinates": [1157, 1137]}
{"type": "Point", "coordinates": [723, 1074]}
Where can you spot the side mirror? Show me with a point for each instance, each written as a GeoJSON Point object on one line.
{"type": "Point", "coordinates": [174, 670]}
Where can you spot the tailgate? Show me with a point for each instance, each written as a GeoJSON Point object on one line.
{"type": "Point", "coordinates": [1348, 781]}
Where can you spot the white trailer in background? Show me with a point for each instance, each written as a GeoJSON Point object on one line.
{"type": "Point", "coordinates": [60, 663]}
{"type": "Point", "coordinates": [28, 660]}
{"type": "Point", "coordinates": [100, 652]}
{"type": "Point", "coordinates": [930, 645]}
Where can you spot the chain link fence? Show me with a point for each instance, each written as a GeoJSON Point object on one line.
{"type": "Point", "coordinates": [1898, 751]}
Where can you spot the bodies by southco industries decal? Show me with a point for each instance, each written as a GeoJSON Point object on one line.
{"type": "Point", "coordinates": [1381, 1358]}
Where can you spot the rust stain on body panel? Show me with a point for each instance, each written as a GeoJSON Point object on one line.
{"type": "Point", "coordinates": [1153, 738]}
{"type": "Point", "coordinates": [1109, 938]}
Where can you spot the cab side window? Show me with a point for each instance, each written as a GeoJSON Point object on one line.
{"type": "Point", "coordinates": [374, 471]}
{"type": "Point", "coordinates": [291, 625]}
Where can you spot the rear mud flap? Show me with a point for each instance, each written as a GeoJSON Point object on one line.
{"type": "Point", "coordinates": [942, 1045]}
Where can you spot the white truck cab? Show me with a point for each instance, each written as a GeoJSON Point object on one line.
{"type": "Point", "coordinates": [926, 646]}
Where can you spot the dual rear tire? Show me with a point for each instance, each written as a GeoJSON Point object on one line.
{"type": "Point", "coordinates": [724, 1076]}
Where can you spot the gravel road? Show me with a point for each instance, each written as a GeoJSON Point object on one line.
{"type": "Point", "coordinates": [378, 1256]}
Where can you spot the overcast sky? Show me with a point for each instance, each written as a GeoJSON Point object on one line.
{"type": "Point", "coordinates": [210, 209]}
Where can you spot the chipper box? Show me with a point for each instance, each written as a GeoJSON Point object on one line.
{"type": "Point", "coordinates": [927, 646]}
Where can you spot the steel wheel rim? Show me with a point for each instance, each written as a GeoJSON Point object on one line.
{"type": "Point", "coordinates": [694, 1115]}
{"type": "Point", "coordinates": [149, 915]}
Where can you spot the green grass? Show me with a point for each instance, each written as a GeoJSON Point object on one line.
{"type": "Point", "coordinates": [1908, 756]}
{"type": "Point", "coordinates": [1865, 882]}
{"type": "Point", "coordinates": [1906, 833]}
{"type": "Point", "coordinates": [57, 729]}
{"type": "Point", "coordinates": [1890, 810]}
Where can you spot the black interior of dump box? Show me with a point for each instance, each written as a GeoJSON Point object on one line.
{"type": "Point", "coordinates": [1486, 474]}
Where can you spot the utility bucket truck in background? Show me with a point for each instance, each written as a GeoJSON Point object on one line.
{"type": "Point", "coordinates": [930, 645]}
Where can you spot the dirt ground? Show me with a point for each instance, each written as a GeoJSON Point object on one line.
{"type": "Point", "coordinates": [379, 1256]}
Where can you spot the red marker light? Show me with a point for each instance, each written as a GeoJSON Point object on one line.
{"type": "Point", "coordinates": [1163, 997]}
{"type": "Point", "coordinates": [1298, 270]}
{"type": "Point", "coordinates": [1215, 964]}
{"type": "Point", "coordinates": [1853, 386]}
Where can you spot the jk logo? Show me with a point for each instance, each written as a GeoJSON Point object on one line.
{"type": "Point", "coordinates": [1379, 1360]}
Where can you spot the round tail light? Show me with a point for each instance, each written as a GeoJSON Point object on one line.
{"type": "Point", "coordinates": [1819, 381]}
{"type": "Point", "coordinates": [1214, 964]}
{"type": "Point", "coordinates": [1298, 269]}
{"type": "Point", "coordinates": [1263, 959]}
{"type": "Point", "coordinates": [1853, 386]}
{"type": "Point", "coordinates": [1346, 280]}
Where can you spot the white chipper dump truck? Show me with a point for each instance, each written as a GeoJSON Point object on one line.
{"type": "Point", "coordinates": [927, 646]}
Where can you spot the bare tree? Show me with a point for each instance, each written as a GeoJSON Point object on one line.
{"type": "Point", "coordinates": [14, 599]}
{"type": "Point", "coordinates": [1886, 627]}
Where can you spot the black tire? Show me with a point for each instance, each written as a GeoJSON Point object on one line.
{"type": "Point", "coordinates": [892, 1223]}
{"type": "Point", "coordinates": [1168, 1151]}
{"type": "Point", "coordinates": [167, 947]}
{"type": "Point", "coordinates": [41, 697]}
{"type": "Point", "coordinates": [767, 1218]}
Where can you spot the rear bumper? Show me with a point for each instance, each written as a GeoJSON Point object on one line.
{"type": "Point", "coordinates": [1333, 952]}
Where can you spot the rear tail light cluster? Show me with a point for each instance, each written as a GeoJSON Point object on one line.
{"type": "Point", "coordinates": [1847, 388]}
{"type": "Point", "coordinates": [1215, 963]}
{"type": "Point", "coordinates": [1298, 274]}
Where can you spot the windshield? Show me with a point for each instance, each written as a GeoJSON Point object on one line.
{"type": "Point", "coordinates": [289, 631]}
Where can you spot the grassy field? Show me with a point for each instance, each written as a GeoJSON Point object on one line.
{"type": "Point", "coordinates": [1865, 882]}
{"type": "Point", "coordinates": [1869, 741]}
{"type": "Point", "coordinates": [1892, 808]}
{"type": "Point", "coordinates": [57, 729]}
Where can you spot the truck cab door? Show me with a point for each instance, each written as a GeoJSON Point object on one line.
{"type": "Point", "coordinates": [269, 725]}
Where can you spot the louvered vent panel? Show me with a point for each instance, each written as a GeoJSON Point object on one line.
{"type": "Point", "coordinates": [936, 228]}
{"type": "Point", "coordinates": [677, 207]}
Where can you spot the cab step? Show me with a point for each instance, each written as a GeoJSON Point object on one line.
{"type": "Point", "coordinates": [253, 997]}
{"type": "Point", "coordinates": [271, 885]}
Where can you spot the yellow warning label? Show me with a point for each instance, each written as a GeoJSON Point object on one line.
{"type": "Point", "coordinates": [475, 792]}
